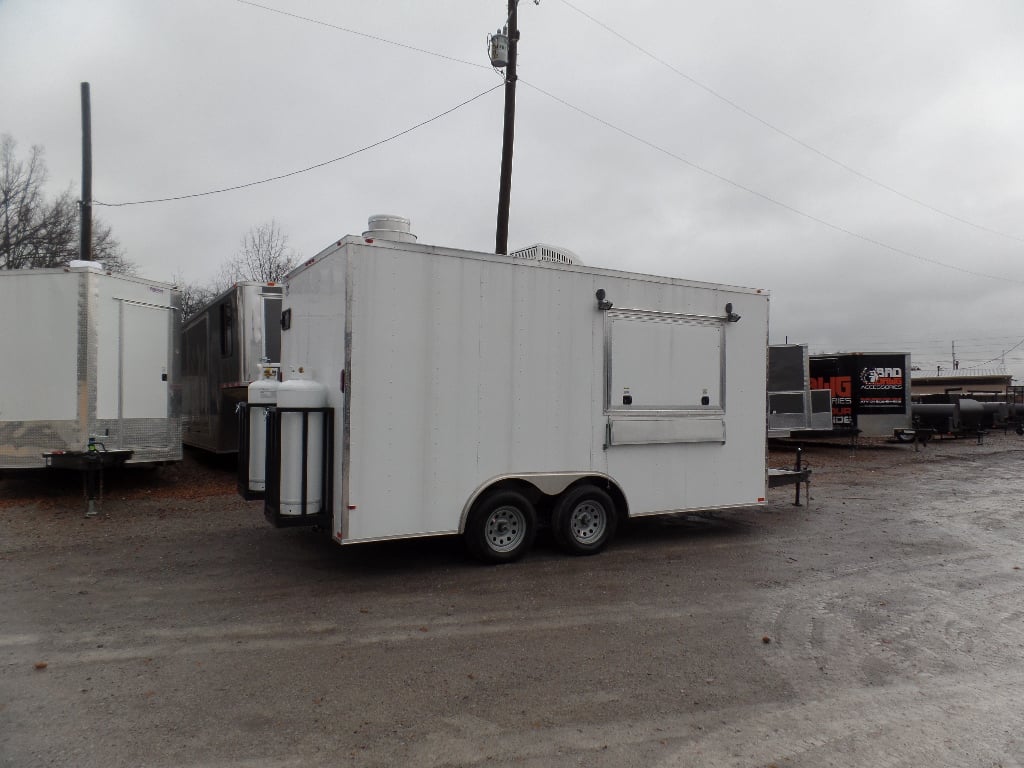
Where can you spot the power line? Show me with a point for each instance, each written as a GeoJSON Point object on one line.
{"type": "Point", "coordinates": [310, 168]}
{"type": "Point", "coordinates": [974, 341]}
{"type": "Point", "coordinates": [786, 134]}
{"type": "Point", "coordinates": [1001, 343]}
{"type": "Point", "coordinates": [364, 34]}
{"type": "Point", "coordinates": [766, 197]}
{"type": "Point", "coordinates": [1004, 353]}
{"type": "Point", "coordinates": [681, 159]}
{"type": "Point", "coordinates": [931, 357]}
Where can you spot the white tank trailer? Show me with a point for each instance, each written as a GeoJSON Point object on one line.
{"type": "Point", "coordinates": [88, 355]}
{"type": "Point", "coordinates": [484, 395]}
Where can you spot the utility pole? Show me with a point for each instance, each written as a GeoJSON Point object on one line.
{"type": "Point", "coordinates": [505, 185]}
{"type": "Point", "coordinates": [85, 227]}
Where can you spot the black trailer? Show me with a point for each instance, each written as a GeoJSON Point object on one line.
{"type": "Point", "coordinates": [870, 391]}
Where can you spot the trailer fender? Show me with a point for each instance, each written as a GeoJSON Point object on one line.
{"type": "Point", "coordinates": [543, 484]}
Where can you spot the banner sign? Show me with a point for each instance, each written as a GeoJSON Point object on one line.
{"type": "Point", "coordinates": [862, 385]}
{"type": "Point", "coordinates": [882, 383]}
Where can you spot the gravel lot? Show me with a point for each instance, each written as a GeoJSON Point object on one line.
{"type": "Point", "coordinates": [881, 626]}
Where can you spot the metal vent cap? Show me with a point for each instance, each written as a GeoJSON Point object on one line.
{"type": "Point", "coordinates": [543, 252]}
{"type": "Point", "coordinates": [385, 226]}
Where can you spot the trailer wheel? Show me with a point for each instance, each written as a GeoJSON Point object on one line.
{"type": "Point", "coordinates": [584, 520]}
{"type": "Point", "coordinates": [501, 527]}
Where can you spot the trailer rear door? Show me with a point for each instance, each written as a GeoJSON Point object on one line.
{"type": "Point", "coordinates": [133, 373]}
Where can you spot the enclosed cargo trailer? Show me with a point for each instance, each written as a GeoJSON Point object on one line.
{"type": "Point", "coordinates": [478, 394]}
{"type": "Point", "coordinates": [870, 391]}
{"type": "Point", "coordinates": [225, 346]}
{"type": "Point", "coordinates": [88, 354]}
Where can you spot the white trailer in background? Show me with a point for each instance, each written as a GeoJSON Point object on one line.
{"type": "Point", "coordinates": [226, 345]}
{"type": "Point", "coordinates": [88, 354]}
{"type": "Point", "coordinates": [479, 394]}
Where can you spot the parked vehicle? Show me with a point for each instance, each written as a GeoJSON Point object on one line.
{"type": "Point", "coordinates": [226, 345]}
{"type": "Point", "coordinates": [870, 391]}
{"type": "Point", "coordinates": [434, 391]}
{"type": "Point", "coordinates": [89, 357]}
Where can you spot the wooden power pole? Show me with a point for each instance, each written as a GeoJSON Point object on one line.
{"type": "Point", "coordinates": [85, 227]}
{"type": "Point", "coordinates": [508, 137]}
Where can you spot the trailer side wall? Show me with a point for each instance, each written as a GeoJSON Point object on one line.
{"type": "Point", "coordinates": [461, 369]}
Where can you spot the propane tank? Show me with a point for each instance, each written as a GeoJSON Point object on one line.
{"type": "Point", "coordinates": [300, 391]}
{"type": "Point", "coordinates": [262, 393]}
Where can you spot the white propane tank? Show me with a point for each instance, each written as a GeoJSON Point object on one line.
{"type": "Point", "coordinates": [299, 391]}
{"type": "Point", "coordinates": [262, 393]}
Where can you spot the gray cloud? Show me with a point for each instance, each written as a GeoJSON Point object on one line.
{"type": "Point", "coordinates": [924, 97]}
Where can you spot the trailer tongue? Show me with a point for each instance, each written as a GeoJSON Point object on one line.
{"type": "Point", "coordinates": [91, 463]}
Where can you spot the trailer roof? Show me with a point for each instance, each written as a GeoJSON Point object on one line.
{"type": "Point", "coordinates": [89, 269]}
{"type": "Point", "coordinates": [360, 241]}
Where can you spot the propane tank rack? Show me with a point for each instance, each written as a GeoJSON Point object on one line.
{"type": "Point", "coordinates": [272, 497]}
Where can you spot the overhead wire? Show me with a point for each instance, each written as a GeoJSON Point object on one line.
{"type": "Point", "coordinates": [771, 126]}
{"type": "Point", "coordinates": [309, 168]}
{"type": "Point", "coordinates": [656, 147]}
{"type": "Point", "coordinates": [931, 352]}
{"type": "Point", "coordinates": [766, 197]}
{"type": "Point", "coordinates": [976, 342]}
{"type": "Point", "coordinates": [1015, 346]}
{"type": "Point", "coordinates": [749, 190]}
{"type": "Point", "coordinates": [356, 32]}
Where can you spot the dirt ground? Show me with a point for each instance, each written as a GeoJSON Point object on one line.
{"type": "Point", "coordinates": [883, 625]}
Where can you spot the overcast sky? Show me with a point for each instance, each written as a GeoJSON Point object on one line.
{"type": "Point", "coordinates": [863, 161]}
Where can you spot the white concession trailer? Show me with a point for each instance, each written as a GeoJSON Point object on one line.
{"type": "Point", "coordinates": [433, 391]}
{"type": "Point", "coordinates": [87, 354]}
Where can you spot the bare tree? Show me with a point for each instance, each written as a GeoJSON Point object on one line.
{"type": "Point", "coordinates": [36, 233]}
{"type": "Point", "coordinates": [193, 295]}
{"type": "Point", "coordinates": [263, 255]}
{"type": "Point", "coordinates": [21, 205]}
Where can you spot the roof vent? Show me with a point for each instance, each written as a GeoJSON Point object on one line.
{"type": "Point", "coordinates": [542, 252]}
{"type": "Point", "coordinates": [386, 227]}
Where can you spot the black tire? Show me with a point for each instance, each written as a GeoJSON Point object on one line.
{"type": "Point", "coordinates": [501, 528]}
{"type": "Point", "coordinates": [584, 520]}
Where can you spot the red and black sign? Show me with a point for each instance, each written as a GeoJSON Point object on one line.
{"type": "Point", "coordinates": [861, 384]}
